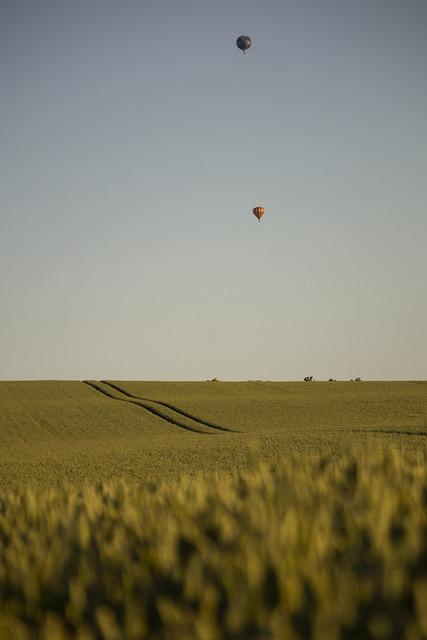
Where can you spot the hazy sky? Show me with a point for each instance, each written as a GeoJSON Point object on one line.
{"type": "Point", "coordinates": [135, 138]}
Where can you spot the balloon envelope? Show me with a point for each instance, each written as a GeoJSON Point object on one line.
{"type": "Point", "coordinates": [243, 42]}
{"type": "Point", "coordinates": [258, 212]}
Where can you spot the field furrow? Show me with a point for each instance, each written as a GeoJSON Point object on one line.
{"type": "Point", "coordinates": [174, 408]}
{"type": "Point", "coordinates": [145, 405]}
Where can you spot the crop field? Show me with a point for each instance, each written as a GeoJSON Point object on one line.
{"type": "Point", "coordinates": [54, 432]}
{"type": "Point", "coordinates": [213, 510]}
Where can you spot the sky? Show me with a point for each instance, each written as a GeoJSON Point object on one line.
{"type": "Point", "coordinates": [135, 138]}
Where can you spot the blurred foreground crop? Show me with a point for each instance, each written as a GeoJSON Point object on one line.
{"type": "Point", "coordinates": [310, 548]}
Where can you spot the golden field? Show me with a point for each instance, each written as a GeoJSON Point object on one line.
{"type": "Point", "coordinates": [213, 511]}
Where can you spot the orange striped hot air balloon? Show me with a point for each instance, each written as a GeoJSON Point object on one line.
{"type": "Point", "coordinates": [258, 212]}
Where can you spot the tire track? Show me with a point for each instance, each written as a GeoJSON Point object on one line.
{"type": "Point", "coordinates": [140, 404]}
{"type": "Point", "coordinates": [181, 412]}
{"type": "Point", "coordinates": [345, 431]}
{"type": "Point", "coordinates": [397, 432]}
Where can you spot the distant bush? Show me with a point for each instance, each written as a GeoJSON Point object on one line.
{"type": "Point", "coordinates": [308, 549]}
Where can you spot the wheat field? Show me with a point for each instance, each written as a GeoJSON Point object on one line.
{"type": "Point", "coordinates": [310, 548]}
{"type": "Point", "coordinates": [58, 431]}
{"type": "Point", "coordinates": [253, 510]}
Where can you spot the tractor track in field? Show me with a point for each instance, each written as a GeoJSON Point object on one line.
{"type": "Point", "coordinates": [396, 432]}
{"type": "Point", "coordinates": [172, 407]}
{"type": "Point", "coordinates": [142, 405]}
{"type": "Point", "coordinates": [344, 431]}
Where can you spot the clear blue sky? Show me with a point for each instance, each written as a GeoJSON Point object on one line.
{"type": "Point", "coordinates": [135, 138]}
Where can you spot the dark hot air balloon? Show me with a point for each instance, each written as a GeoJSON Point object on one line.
{"type": "Point", "coordinates": [258, 212]}
{"type": "Point", "coordinates": [243, 42]}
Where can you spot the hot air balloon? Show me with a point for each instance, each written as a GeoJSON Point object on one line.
{"type": "Point", "coordinates": [258, 212]}
{"type": "Point", "coordinates": [243, 42]}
